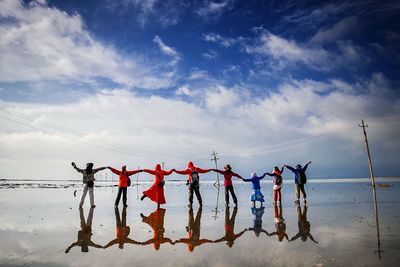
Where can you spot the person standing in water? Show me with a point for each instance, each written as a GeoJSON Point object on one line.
{"type": "Point", "coordinates": [123, 183]}
{"type": "Point", "coordinates": [193, 181]}
{"type": "Point", "coordinates": [156, 191]}
{"type": "Point", "coordinates": [228, 174]}
{"type": "Point", "coordinates": [257, 195]}
{"type": "Point", "coordinates": [300, 179]}
{"type": "Point", "coordinates": [88, 181]}
{"type": "Point", "coordinates": [277, 174]}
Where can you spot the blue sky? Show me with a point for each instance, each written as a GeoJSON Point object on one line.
{"type": "Point", "coordinates": [261, 82]}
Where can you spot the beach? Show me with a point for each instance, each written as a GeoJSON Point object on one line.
{"type": "Point", "coordinates": [43, 226]}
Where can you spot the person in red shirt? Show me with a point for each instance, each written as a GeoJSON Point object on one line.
{"type": "Point", "coordinates": [228, 174]}
{"type": "Point", "coordinates": [230, 235]}
{"type": "Point", "coordinates": [193, 181]}
{"type": "Point", "coordinates": [123, 183]}
{"type": "Point", "coordinates": [156, 191]}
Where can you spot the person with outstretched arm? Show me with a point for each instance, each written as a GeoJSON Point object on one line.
{"type": "Point", "coordinates": [304, 226]}
{"type": "Point", "coordinates": [277, 174]}
{"type": "Point", "coordinates": [228, 174]}
{"type": "Point", "coordinates": [88, 181]}
{"type": "Point", "coordinates": [257, 195]}
{"type": "Point", "coordinates": [156, 191]}
{"type": "Point", "coordinates": [300, 179]}
{"type": "Point", "coordinates": [193, 181]}
{"type": "Point", "coordinates": [123, 183]}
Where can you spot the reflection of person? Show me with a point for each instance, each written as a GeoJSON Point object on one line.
{"type": "Point", "coordinates": [85, 234]}
{"type": "Point", "coordinates": [255, 181]}
{"type": "Point", "coordinates": [122, 231]}
{"type": "Point", "coordinates": [156, 221]}
{"type": "Point", "coordinates": [230, 235]}
{"type": "Point", "coordinates": [88, 181]}
{"type": "Point", "coordinates": [123, 183]}
{"type": "Point", "coordinates": [228, 174]}
{"type": "Point", "coordinates": [280, 224]}
{"type": "Point", "coordinates": [193, 230]}
{"type": "Point", "coordinates": [193, 181]}
{"type": "Point", "coordinates": [304, 226]}
{"type": "Point", "coordinates": [257, 221]}
{"type": "Point", "coordinates": [277, 174]}
{"type": "Point", "coordinates": [299, 180]}
{"type": "Point", "coordinates": [156, 191]}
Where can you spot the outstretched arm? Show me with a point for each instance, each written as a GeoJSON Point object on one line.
{"type": "Point", "coordinates": [72, 245]}
{"type": "Point", "coordinates": [182, 171]}
{"type": "Point", "coordinates": [76, 168]}
{"type": "Point", "coordinates": [269, 174]}
{"type": "Point", "coordinates": [219, 171]}
{"type": "Point", "coordinates": [111, 243]}
{"type": "Point", "coordinates": [168, 172]}
{"type": "Point", "coordinates": [312, 238]}
{"type": "Point", "coordinates": [283, 167]}
{"type": "Point", "coordinates": [305, 167]}
{"type": "Point", "coordinates": [200, 170]}
{"type": "Point", "coordinates": [117, 172]}
{"type": "Point", "coordinates": [295, 237]}
{"type": "Point", "coordinates": [99, 169]}
{"type": "Point", "coordinates": [262, 176]}
{"type": "Point", "coordinates": [95, 245]}
{"type": "Point", "coordinates": [237, 175]}
{"type": "Point", "coordinates": [290, 168]}
{"type": "Point", "coordinates": [247, 180]}
{"type": "Point", "coordinates": [149, 171]}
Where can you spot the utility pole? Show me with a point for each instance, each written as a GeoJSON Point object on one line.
{"type": "Point", "coordinates": [162, 164]}
{"type": "Point", "coordinates": [137, 184]}
{"type": "Point", "coordinates": [371, 171]}
{"type": "Point", "coordinates": [215, 216]}
{"type": "Point", "coordinates": [215, 159]}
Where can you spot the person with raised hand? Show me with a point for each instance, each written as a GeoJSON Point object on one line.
{"type": "Point", "coordinates": [123, 183]}
{"type": "Point", "coordinates": [300, 179]}
{"type": "Point", "coordinates": [228, 174]}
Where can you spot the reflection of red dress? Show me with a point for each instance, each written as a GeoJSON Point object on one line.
{"type": "Point", "coordinates": [156, 191]}
{"type": "Point", "coordinates": [156, 221]}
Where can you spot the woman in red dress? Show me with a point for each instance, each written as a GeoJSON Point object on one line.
{"type": "Point", "coordinates": [156, 191]}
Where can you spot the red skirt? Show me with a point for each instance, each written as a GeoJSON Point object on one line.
{"type": "Point", "coordinates": [156, 193]}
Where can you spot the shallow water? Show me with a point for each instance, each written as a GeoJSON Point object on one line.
{"type": "Point", "coordinates": [45, 227]}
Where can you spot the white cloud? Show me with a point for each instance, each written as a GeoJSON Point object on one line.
{"type": "Point", "coordinates": [288, 52]}
{"type": "Point", "coordinates": [184, 90]}
{"type": "Point", "coordinates": [224, 41]}
{"type": "Point", "coordinates": [213, 9]}
{"type": "Point", "coordinates": [210, 54]}
{"type": "Point", "coordinates": [43, 43]}
{"type": "Point", "coordinates": [342, 29]}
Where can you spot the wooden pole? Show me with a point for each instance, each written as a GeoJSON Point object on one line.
{"type": "Point", "coordinates": [371, 171]}
{"type": "Point", "coordinates": [215, 159]}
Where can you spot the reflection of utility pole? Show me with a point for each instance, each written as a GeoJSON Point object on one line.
{"type": "Point", "coordinates": [162, 164]}
{"type": "Point", "coordinates": [215, 159]}
{"type": "Point", "coordinates": [137, 184]}
{"type": "Point", "coordinates": [371, 171]}
{"type": "Point", "coordinates": [215, 216]}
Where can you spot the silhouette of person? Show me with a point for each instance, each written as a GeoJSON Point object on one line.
{"type": "Point", "coordinates": [123, 183]}
{"type": "Point", "coordinates": [230, 235]}
{"type": "Point", "coordinates": [280, 224]}
{"type": "Point", "coordinates": [122, 231]}
{"type": "Point", "coordinates": [156, 221]}
{"type": "Point", "coordinates": [304, 226]}
{"type": "Point", "coordinates": [85, 234]}
{"type": "Point", "coordinates": [257, 221]}
{"type": "Point", "coordinates": [193, 230]}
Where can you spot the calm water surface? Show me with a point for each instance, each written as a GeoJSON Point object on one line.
{"type": "Point", "coordinates": [45, 227]}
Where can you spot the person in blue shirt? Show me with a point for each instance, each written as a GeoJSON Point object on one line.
{"type": "Point", "coordinates": [257, 195]}
{"type": "Point", "coordinates": [299, 180]}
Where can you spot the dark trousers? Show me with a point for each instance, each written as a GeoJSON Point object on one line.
{"type": "Point", "coordinates": [300, 187]}
{"type": "Point", "coordinates": [121, 190]}
{"type": "Point", "coordinates": [196, 190]}
{"type": "Point", "coordinates": [229, 188]}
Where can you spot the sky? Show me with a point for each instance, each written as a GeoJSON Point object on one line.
{"type": "Point", "coordinates": [140, 82]}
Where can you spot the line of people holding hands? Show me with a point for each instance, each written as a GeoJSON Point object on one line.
{"type": "Point", "coordinates": [156, 191]}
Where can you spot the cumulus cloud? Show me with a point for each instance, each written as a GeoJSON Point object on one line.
{"type": "Point", "coordinates": [311, 120]}
{"type": "Point", "coordinates": [44, 43]}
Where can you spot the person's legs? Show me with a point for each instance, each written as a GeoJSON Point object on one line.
{"type": "Point", "coordinates": [226, 196]}
{"type": "Point", "coordinates": [190, 192]}
{"type": "Point", "coordinates": [91, 196]}
{"type": "Point", "coordinates": [85, 189]}
{"type": "Point", "coordinates": [198, 195]}
{"type": "Point", "coordinates": [118, 196]}
{"type": "Point", "coordinates": [280, 195]}
{"type": "Point", "coordinates": [275, 195]}
{"type": "Point", "coordinates": [124, 197]}
{"type": "Point", "coordinates": [303, 191]}
{"type": "Point", "coordinates": [233, 194]}
{"type": "Point", "coordinates": [297, 189]}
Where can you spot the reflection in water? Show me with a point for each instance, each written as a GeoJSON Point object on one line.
{"type": "Point", "coordinates": [304, 225]}
{"type": "Point", "coordinates": [122, 231]}
{"type": "Point", "coordinates": [85, 234]}
{"type": "Point", "coordinates": [257, 221]}
{"type": "Point", "coordinates": [193, 230]}
{"type": "Point", "coordinates": [280, 224]}
{"type": "Point", "coordinates": [230, 235]}
{"type": "Point", "coordinates": [156, 221]}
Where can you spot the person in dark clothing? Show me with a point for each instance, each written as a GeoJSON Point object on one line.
{"type": "Point", "coordinates": [193, 240]}
{"type": "Point", "coordinates": [230, 235]}
{"type": "Point", "coordinates": [123, 183]}
{"type": "Point", "coordinates": [280, 224]}
{"type": "Point", "coordinates": [193, 181]}
{"type": "Point", "coordinates": [85, 234]}
{"type": "Point", "coordinates": [304, 226]}
{"type": "Point", "coordinates": [122, 231]}
{"type": "Point", "coordinates": [228, 174]}
{"type": "Point", "coordinates": [299, 172]}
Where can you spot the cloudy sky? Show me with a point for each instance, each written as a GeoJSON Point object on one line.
{"type": "Point", "coordinates": [138, 82]}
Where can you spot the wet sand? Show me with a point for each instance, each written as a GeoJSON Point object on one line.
{"type": "Point", "coordinates": [45, 227]}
